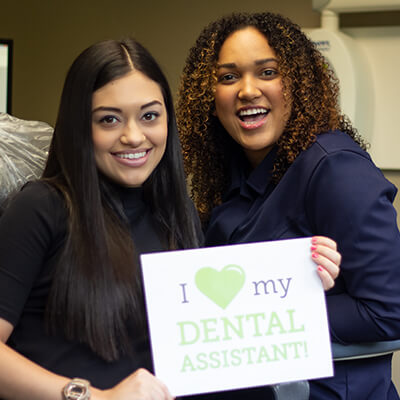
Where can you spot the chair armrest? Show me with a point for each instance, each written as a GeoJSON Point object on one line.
{"type": "Point", "coordinates": [342, 352]}
{"type": "Point", "coordinates": [299, 390]}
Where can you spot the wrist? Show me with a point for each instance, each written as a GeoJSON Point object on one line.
{"type": "Point", "coordinates": [98, 394]}
{"type": "Point", "coordinates": [77, 389]}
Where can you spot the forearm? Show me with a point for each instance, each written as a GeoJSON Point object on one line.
{"type": "Point", "coordinates": [21, 379]}
{"type": "Point", "coordinates": [353, 320]}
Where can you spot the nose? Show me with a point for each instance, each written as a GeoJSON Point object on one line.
{"type": "Point", "coordinates": [249, 90]}
{"type": "Point", "coordinates": [132, 135]}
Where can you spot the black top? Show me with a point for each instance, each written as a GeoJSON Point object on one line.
{"type": "Point", "coordinates": [32, 234]}
{"type": "Point", "coordinates": [331, 189]}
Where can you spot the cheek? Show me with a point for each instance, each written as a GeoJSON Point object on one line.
{"type": "Point", "coordinates": [97, 142]}
{"type": "Point", "coordinates": [100, 139]}
{"type": "Point", "coordinates": [100, 148]}
{"type": "Point", "coordinates": [222, 101]}
{"type": "Point", "coordinates": [159, 136]}
{"type": "Point", "coordinates": [162, 144]}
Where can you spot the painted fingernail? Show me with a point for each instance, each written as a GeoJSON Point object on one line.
{"type": "Point", "coordinates": [320, 268]}
{"type": "Point", "coordinates": [313, 247]}
{"type": "Point", "coordinates": [314, 255]}
{"type": "Point", "coordinates": [314, 240]}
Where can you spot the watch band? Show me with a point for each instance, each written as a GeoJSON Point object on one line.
{"type": "Point", "coordinates": [77, 389]}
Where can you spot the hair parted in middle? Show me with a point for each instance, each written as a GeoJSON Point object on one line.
{"type": "Point", "coordinates": [307, 82]}
{"type": "Point", "coordinates": [97, 286]}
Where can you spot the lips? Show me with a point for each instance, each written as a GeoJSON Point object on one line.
{"type": "Point", "coordinates": [252, 118]}
{"type": "Point", "coordinates": [132, 158]}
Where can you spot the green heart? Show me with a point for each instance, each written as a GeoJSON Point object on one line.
{"type": "Point", "coordinates": [220, 286]}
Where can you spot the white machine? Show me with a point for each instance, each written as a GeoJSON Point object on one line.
{"type": "Point", "coordinates": [367, 64]}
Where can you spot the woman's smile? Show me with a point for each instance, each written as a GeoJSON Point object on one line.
{"type": "Point", "coordinates": [252, 117]}
{"type": "Point", "coordinates": [132, 158]}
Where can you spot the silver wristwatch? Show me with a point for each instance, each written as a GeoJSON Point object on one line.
{"type": "Point", "coordinates": [77, 389]}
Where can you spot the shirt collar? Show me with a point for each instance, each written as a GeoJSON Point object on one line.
{"type": "Point", "coordinates": [257, 180]}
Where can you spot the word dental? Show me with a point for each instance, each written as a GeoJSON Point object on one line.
{"type": "Point", "coordinates": [224, 329]}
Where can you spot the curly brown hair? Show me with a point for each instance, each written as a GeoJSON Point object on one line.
{"type": "Point", "coordinates": [307, 81]}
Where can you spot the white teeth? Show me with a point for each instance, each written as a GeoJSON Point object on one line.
{"type": "Point", "coordinates": [252, 111]}
{"type": "Point", "coordinates": [131, 156]}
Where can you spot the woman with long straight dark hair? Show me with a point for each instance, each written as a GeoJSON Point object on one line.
{"type": "Point", "coordinates": [71, 301]}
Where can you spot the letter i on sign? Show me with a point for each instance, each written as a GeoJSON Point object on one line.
{"type": "Point", "coordinates": [184, 299]}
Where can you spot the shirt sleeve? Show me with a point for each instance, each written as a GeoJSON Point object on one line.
{"type": "Point", "coordinates": [349, 200]}
{"type": "Point", "coordinates": [28, 229]}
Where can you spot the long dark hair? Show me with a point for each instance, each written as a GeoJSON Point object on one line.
{"type": "Point", "coordinates": [96, 285]}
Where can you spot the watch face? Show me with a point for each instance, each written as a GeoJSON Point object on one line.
{"type": "Point", "coordinates": [77, 389]}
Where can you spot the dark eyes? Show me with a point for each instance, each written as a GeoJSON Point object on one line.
{"type": "Point", "coordinates": [109, 119]}
{"type": "Point", "coordinates": [150, 116]}
{"type": "Point", "coordinates": [228, 78]}
{"type": "Point", "coordinates": [269, 73]}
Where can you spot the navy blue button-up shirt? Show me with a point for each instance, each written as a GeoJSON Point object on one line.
{"type": "Point", "coordinates": [332, 189]}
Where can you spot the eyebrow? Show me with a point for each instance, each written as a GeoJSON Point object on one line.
{"type": "Point", "coordinates": [257, 62]}
{"type": "Point", "coordinates": [116, 109]}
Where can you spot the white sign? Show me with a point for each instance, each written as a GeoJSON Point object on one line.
{"type": "Point", "coordinates": [238, 316]}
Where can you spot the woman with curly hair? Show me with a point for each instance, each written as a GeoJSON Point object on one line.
{"type": "Point", "coordinates": [271, 156]}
